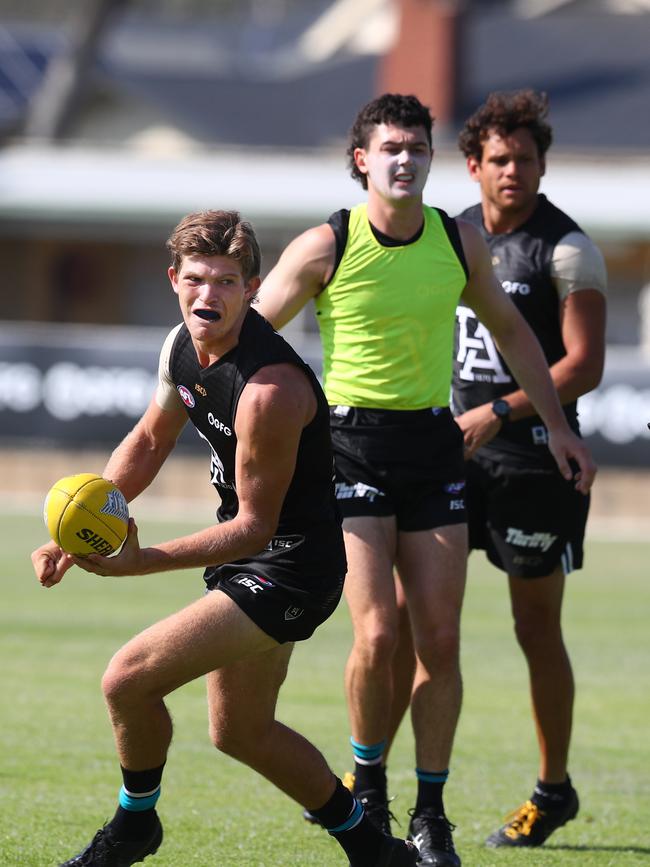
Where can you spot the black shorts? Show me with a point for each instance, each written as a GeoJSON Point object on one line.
{"type": "Point", "coordinates": [529, 522]}
{"type": "Point", "coordinates": [398, 462]}
{"type": "Point", "coordinates": [285, 590]}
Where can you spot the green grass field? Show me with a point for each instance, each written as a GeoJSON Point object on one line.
{"type": "Point", "coordinates": [59, 777]}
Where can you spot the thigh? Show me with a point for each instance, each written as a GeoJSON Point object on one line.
{"type": "Point", "coordinates": [432, 566]}
{"type": "Point", "coordinates": [369, 584]}
{"type": "Point", "coordinates": [537, 603]}
{"type": "Point", "coordinates": [208, 634]}
{"type": "Point", "coordinates": [242, 696]}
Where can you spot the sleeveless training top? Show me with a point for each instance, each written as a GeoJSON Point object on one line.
{"type": "Point", "coordinates": [387, 317]}
{"type": "Point", "coordinates": [211, 396]}
{"type": "Point", "coordinates": [522, 262]}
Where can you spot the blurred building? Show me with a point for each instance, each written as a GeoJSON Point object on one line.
{"type": "Point", "coordinates": [119, 116]}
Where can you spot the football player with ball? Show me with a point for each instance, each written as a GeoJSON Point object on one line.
{"type": "Point", "coordinates": [274, 562]}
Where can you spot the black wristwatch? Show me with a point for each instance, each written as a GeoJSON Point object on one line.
{"type": "Point", "coordinates": [501, 408]}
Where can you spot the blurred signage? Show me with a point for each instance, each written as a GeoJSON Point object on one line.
{"type": "Point", "coordinates": [68, 386]}
{"type": "Point", "coordinates": [614, 417]}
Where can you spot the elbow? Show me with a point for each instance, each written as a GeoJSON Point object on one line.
{"type": "Point", "coordinates": [258, 533]}
{"type": "Point", "coordinates": [586, 379]}
{"type": "Point", "coordinates": [593, 374]}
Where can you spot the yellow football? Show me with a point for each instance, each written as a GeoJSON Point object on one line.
{"type": "Point", "coordinates": [86, 514]}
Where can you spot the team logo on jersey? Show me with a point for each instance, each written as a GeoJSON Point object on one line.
{"type": "Point", "coordinates": [186, 396]}
{"type": "Point", "coordinates": [496, 260]}
{"type": "Point", "coordinates": [202, 391]}
{"type": "Point", "coordinates": [477, 357]}
{"type": "Point", "coordinates": [293, 613]}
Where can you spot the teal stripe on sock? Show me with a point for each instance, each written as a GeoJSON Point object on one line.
{"type": "Point", "coordinates": [354, 819]}
{"type": "Point", "coordinates": [137, 804]}
{"type": "Point", "coordinates": [432, 776]}
{"type": "Point", "coordinates": [374, 751]}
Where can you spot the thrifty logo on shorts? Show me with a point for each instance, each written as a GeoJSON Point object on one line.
{"type": "Point", "coordinates": [529, 540]}
{"type": "Point", "coordinates": [358, 490]}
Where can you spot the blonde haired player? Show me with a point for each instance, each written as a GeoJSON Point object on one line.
{"type": "Point", "coordinates": [274, 561]}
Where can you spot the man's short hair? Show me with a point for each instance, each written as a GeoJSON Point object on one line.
{"type": "Point", "coordinates": [216, 233]}
{"type": "Point", "coordinates": [393, 108]}
{"type": "Point", "coordinates": [502, 113]}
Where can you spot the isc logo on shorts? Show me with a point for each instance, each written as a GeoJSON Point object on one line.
{"type": "Point", "coordinates": [254, 582]}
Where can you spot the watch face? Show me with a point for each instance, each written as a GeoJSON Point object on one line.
{"type": "Point", "coordinates": [501, 408]}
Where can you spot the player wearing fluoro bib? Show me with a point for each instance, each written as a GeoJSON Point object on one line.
{"type": "Point", "coordinates": [383, 320]}
{"type": "Point", "coordinates": [385, 278]}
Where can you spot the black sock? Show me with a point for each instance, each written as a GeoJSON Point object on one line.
{"type": "Point", "coordinates": [552, 796]}
{"type": "Point", "coordinates": [135, 817]}
{"type": "Point", "coordinates": [368, 777]}
{"type": "Point", "coordinates": [430, 786]}
{"type": "Point", "coordinates": [343, 817]}
{"type": "Point", "coordinates": [369, 770]}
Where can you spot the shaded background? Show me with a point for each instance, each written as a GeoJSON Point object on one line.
{"type": "Point", "coordinates": [119, 116]}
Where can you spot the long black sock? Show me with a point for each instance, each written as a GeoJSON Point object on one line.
{"type": "Point", "coordinates": [430, 786]}
{"type": "Point", "coordinates": [135, 817]}
{"type": "Point", "coordinates": [343, 817]}
{"type": "Point", "coordinates": [369, 772]}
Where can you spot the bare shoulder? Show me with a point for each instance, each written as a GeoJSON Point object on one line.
{"type": "Point", "coordinates": [313, 251]}
{"type": "Point", "coordinates": [301, 273]}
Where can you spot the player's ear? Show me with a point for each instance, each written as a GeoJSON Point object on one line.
{"type": "Point", "coordinates": [474, 168]}
{"type": "Point", "coordinates": [173, 278]}
{"type": "Point", "coordinates": [252, 286]}
{"type": "Point", "coordinates": [360, 160]}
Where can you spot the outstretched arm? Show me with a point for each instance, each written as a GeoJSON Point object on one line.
{"type": "Point", "coordinates": [273, 409]}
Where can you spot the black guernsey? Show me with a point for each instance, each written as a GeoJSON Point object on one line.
{"type": "Point", "coordinates": [522, 263]}
{"type": "Point", "coordinates": [308, 539]}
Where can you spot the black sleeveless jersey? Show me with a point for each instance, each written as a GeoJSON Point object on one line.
{"type": "Point", "coordinates": [522, 263]}
{"type": "Point", "coordinates": [211, 396]}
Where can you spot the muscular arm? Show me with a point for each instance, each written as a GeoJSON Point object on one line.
{"type": "Point", "coordinates": [132, 467]}
{"type": "Point", "coordinates": [136, 461]}
{"type": "Point", "coordinates": [273, 409]}
{"type": "Point", "coordinates": [302, 271]}
{"type": "Point", "coordinates": [519, 346]}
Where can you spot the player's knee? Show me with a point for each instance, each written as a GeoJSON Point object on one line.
{"type": "Point", "coordinates": [439, 647]}
{"type": "Point", "coordinates": [234, 739]}
{"type": "Point", "coordinates": [121, 683]}
{"type": "Point", "coordinates": [536, 630]}
{"type": "Point", "coordinates": [376, 645]}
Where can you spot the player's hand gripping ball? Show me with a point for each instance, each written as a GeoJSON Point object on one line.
{"type": "Point", "coordinates": [86, 514]}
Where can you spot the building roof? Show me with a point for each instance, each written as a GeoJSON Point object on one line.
{"type": "Point", "coordinates": [298, 81]}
